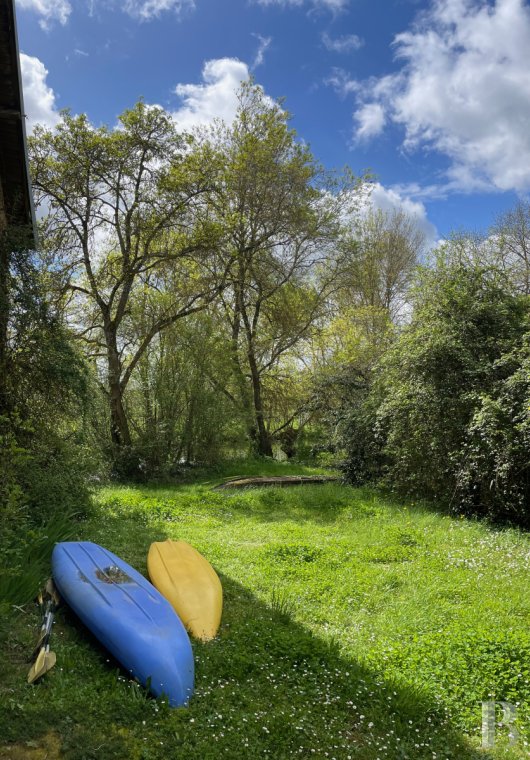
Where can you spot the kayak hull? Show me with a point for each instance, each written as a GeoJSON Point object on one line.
{"type": "Point", "coordinates": [189, 583]}
{"type": "Point", "coordinates": [128, 616]}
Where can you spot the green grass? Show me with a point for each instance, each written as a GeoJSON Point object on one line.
{"type": "Point", "coordinates": [245, 468]}
{"type": "Point", "coordinates": [353, 627]}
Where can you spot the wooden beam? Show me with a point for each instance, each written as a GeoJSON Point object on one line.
{"type": "Point", "coordinates": [278, 481]}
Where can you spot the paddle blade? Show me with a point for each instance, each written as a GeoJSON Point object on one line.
{"type": "Point", "coordinates": [51, 659]}
{"type": "Point", "coordinates": [44, 662]}
{"type": "Point", "coordinates": [38, 646]}
{"type": "Point", "coordinates": [37, 666]}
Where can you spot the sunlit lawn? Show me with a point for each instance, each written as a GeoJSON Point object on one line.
{"type": "Point", "coordinates": [353, 627]}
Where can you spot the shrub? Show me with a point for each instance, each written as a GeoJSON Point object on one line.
{"type": "Point", "coordinates": [44, 453]}
{"type": "Point", "coordinates": [447, 415]}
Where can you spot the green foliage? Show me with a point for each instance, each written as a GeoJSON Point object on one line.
{"type": "Point", "coordinates": [494, 476]}
{"type": "Point", "coordinates": [25, 561]}
{"type": "Point", "coordinates": [357, 432]}
{"type": "Point", "coordinates": [377, 260]}
{"type": "Point", "coordinates": [47, 453]}
{"type": "Point", "coordinates": [447, 416]}
{"type": "Point", "coordinates": [176, 404]}
{"type": "Point", "coordinates": [130, 251]}
{"type": "Point", "coordinates": [280, 216]}
{"type": "Point", "coordinates": [380, 256]}
{"type": "Point", "coordinates": [44, 456]}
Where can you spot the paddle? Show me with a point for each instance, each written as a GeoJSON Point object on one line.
{"type": "Point", "coordinates": [39, 643]}
{"type": "Point", "coordinates": [45, 659]}
{"type": "Point", "coordinates": [44, 662]}
{"type": "Point", "coordinates": [48, 600]}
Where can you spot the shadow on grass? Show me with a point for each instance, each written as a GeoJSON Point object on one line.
{"type": "Point", "coordinates": [325, 503]}
{"type": "Point", "coordinates": [265, 687]}
{"type": "Point", "coordinates": [320, 503]}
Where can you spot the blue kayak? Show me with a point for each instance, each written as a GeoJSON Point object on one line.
{"type": "Point", "coordinates": [128, 616]}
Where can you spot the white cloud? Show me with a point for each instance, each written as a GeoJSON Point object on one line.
{"type": "Point", "coordinates": [388, 199]}
{"type": "Point", "coordinates": [144, 10]}
{"type": "Point", "coordinates": [264, 44]}
{"type": "Point", "coordinates": [342, 83]}
{"type": "Point", "coordinates": [48, 10]}
{"type": "Point", "coordinates": [344, 44]}
{"type": "Point", "coordinates": [39, 98]}
{"type": "Point", "coordinates": [463, 90]}
{"type": "Point", "coordinates": [331, 5]}
{"type": "Point", "coordinates": [215, 98]}
{"type": "Point", "coordinates": [52, 11]}
{"type": "Point", "coordinates": [371, 120]}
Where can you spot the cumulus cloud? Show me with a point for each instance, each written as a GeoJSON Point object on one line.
{"type": "Point", "coordinates": [463, 89]}
{"type": "Point", "coordinates": [48, 10]}
{"type": "Point", "coordinates": [370, 120]}
{"type": "Point", "coordinates": [39, 98]}
{"type": "Point", "coordinates": [343, 44]}
{"type": "Point", "coordinates": [215, 98]}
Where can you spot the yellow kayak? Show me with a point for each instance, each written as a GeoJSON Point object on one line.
{"type": "Point", "coordinates": [189, 583]}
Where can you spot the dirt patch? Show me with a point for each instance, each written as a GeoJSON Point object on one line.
{"type": "Point", "coordinates": [47, 747]}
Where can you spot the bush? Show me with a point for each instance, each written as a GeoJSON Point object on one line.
{"type": "Point", "coordinates": [447, 415]}
{"type": "Point", "coordinates": [493, 475]}
{"type": "Point", "coordinates": [44, 451]}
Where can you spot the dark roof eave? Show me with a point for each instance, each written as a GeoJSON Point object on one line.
{"type": "Point", "coordinates": [14, 164]}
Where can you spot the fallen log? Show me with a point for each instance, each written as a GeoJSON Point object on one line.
{"type": "Point", "coordinates": [277, 480]}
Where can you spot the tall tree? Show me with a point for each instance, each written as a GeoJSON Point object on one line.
{"type": "Point", "coordinates": [176, 409]}
{"type": "Point", "coordinates": [280, 216]}
{"type": "Point", "coordinates": [380, 257]}
{"type": "Point", "coordinates": [510, 240]}
{"type": "Point", "coordinates": [122, 218]}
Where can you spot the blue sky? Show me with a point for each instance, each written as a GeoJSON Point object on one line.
{"type": "Point", "coordinates": [433, 96]}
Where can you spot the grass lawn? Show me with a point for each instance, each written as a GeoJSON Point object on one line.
{"type": "Point", "coordinates": [353, 627]}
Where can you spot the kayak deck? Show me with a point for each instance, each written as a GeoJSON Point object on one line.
{"type": "Point", "coordinates": [128, 616]}
{"type": "Point", "coordinates": [189, 583]}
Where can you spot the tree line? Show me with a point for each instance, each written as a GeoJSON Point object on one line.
{"type": "Point", "coordinates": [191, 268]}
{"type": "Point", "coordinates": [215, 294]}
{"type": "Point", "coordinates": [445, 412]}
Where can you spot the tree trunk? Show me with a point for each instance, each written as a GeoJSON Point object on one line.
{"type": "Point", "coordinates": [262, 438]}
{"type": "Point", "coordinates": [288, 440]}
{"type": "Point", "coordinates": [187, 434]}
{"type": "Point", "coordinates": [119, 425]}
{"type": "Point", "coordinates": [242, 381]}
{"type": "Point", "coordinates": [149, 413]}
